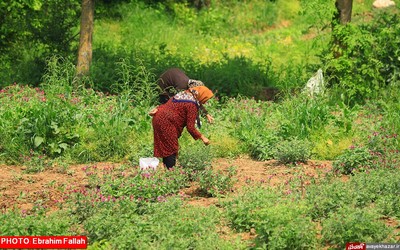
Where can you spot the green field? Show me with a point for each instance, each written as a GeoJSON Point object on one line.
{"type": "Point", "coordinates": [257, 56]}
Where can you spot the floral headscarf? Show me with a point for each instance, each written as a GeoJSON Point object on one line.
{"type": "Point", "coordinates": [198, 95]}
{"type": "Point", "coordinates": [194, 83]}
{"type": "Point", "coordinates": [185, 96]}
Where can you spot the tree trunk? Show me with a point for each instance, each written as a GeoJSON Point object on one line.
{"type": "Point", "coordinates": [344, 9]}
{"type": "Point", "coordinates": [341, 17]}
{"type": "Point", "coordinates": [85, 42]}
{"type": "Point", "coordinates": [199, 4]}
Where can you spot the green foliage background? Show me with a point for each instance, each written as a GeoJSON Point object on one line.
{"type": "Point", "coordinates": [243, 50]}
{"type": "Point", "coordinates": [239, 49]}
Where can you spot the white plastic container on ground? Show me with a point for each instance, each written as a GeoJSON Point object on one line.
{"type": "Point", "coordinates": [149, 162]}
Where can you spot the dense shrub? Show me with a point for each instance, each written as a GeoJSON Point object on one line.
{"type": "Point", "coordinates": [196, 157]}
{"type": "Point", "coordinates": [353, 159]}
{"type": "Point", "coordinates": [367, 60]}
{"type": "Point", "coordinates": [263, 147]}
{"type": "Point", "coordinates": [292, 151]}
{"type": "Point", "coordinates": [216, 182]}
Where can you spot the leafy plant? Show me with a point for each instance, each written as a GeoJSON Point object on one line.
{"type": "Point", "coordinates": [168, 224]}
{"type": "Point", "coordinates": [389, 205]}
{"type": "Point", "coordinates": [327, 197]}
{"type": "Point", "coordinates": [282, 227]}
{"type": "Point", "coordinates": [353, 159]}
{"type": "Point", "coordinates": [216, 183]}
{"type": "Point", "coordinates": [132, 182]}
{"type": "Point", "coordinates": [195, 158]}
{"type": "Point", "coordinates": [262, 147]}
{"type": "Point", "coordinates": [36, 163]}
{"type": "Point", "coordinates": [383, 184]}
{"type": "Point", "coordinates": [292, 151]}
{"type": "Point", "coordinates": [350, 224]}
{"type": "Point", "coordinates": [366, 61]}
{"type": "Point", "coordinates": [21, 223]}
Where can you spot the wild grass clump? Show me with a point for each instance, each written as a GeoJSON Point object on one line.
{"type": "Point", "coordinates": [328, 145]}
{"type": "Point", "coordinates": [300, 115]}
{"type": "Point", "coordinates": [80, 124]}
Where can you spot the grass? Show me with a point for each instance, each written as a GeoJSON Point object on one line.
{"type": "Point", "coordinates": [238, 48]}
{"type": "Point", "coordinates": [114, 215]}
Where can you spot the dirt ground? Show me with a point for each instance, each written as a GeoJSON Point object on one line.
{"type": "Point", "coordinates": [27, 191]}
{"type": "Point", "coordinates": [250, 172]}
{"type": "Point", "coordinates": [19, 189]}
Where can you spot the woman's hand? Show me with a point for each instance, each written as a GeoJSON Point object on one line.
{"type": "Point", "coordinates": [210, 119]}
{"type": "Point", "coordinates": [205, 140]}
{"type": "Point", "coordinates": [153, 111]}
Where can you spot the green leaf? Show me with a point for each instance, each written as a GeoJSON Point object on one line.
{"type": "Point", "coordinates": [35, 4]}
{"type": "Point", "coordinates": [63, 145]}
{"type": "Point", "coordinates": [54, 126]}
{"type": "Point", "coordinates": [38, 141]}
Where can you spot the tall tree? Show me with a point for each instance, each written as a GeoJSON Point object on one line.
{"type": "Point", "coordinates": [85, 42]}
{"type": "Point", "coordinates": [341, 17]}
{"type": "Point", "coordinates": [344, 9]}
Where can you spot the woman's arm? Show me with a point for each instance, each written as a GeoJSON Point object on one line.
{"type": "Point", "coordinates": [191, 116]}
{"type": "Point", "coordinates": [204, 113]}
{"type": "Point", "coordinates": [205, 140]}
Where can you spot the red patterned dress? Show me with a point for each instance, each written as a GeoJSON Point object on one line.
{"type": "Point", "coordinates": [168, 124]}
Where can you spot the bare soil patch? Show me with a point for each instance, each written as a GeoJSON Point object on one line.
{"type": "Point", "coordinates": [24, 191]}
{"type": "Point", "coordinates": [250, 172]}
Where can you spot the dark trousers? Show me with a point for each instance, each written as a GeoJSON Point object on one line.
{"type": "Point", "coordinates": [170, 161]}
